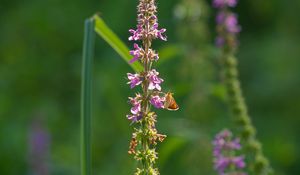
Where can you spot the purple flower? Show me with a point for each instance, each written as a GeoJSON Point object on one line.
{"type": "Point", "coordinates": [136, 113]}
{"type": "Point", "coordinates": [136, 108]}
{"type": "Point", "coordinates": [137, 53]}
{"type": "Point", "coordinates": [231, 3]}
{"type": "Point", "coordinates": [224, 3]}
{"type": "Point", "coordinates": [224, 153]}
{"type": "Point", "coordinates": [136, 104]}
{"type": "Point", "coordinates": [154, 80]}
{"type": "Point", "coordinates": [147, 22]}
{"type": "Point", "coordinates": [231, 24]}
{"type": "Point", "coordinates": [136, 34]}
{"type": "Point", "coordinates": [220, 18]}
{"type": "Point", "coordinates": [158, 33]}
{"type": "Point", "coordinates": [227, 23]}
{"type": "Point", "coordinates": [134, 118]}
{"type": "Point", "coordinates": [239, 162]}
{"type": "Point", "coordinates": [234, 144]}
{"type": "Point", "coordinates": [221, 164]}
{"type": "Point", "coordinates": [134, 80]}
{"type": "Point", "coordinates": [157, 101]}
{"type": "Point", "coordinates": [219, 3]}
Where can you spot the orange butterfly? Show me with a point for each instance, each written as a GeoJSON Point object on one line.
{"type": "Point", "coordinates": [170, 103]}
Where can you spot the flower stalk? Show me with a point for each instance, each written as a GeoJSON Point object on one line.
{"type": "Point", "coordinates": [227, 29]}
{"type": "Point", "coordinates": [145, 136]}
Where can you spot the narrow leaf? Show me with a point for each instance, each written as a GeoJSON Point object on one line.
{"type": "Point", "coordinates": [86, 97]}
{"type": "Point", "coordinates": [113, 40]}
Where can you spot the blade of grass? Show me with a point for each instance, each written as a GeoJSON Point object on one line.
{"type": "Point", "coordinates": [113, 40]}
{"type": "Point", "coordinates": [86, 97]}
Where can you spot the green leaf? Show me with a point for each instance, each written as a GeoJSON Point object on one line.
{"type": "Point", "coordinates": [115, 42]}
{"type": "Point", "coordinates": [86, 97]}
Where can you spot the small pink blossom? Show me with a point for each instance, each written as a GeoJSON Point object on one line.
{"type": "Point", "coordinates": [134, 80]}
{"type": "Point", "coordinates": [224, 3]}
{"type": "Point", "coordinates": [239, 162]}
{"type": "Point", "coordinates": [224, 153]}
{"type": "Point", "coordinates": [134, 118]}
{"type": "Point", "coordinates": [157, 101]}
{"type": "Point", "coordinates": [136, 113]}
{"type": "Point", "coordinates": [136, 34]}
{"type": "Point", "coordinates": [137, 53]}
{"type": "Point", "coordinates": [158, 33]}
{"type": "Point", "coordinates": [136, 104]}
{"type": "Point", "coordinates": [154, 80]}
{"type": "Point", "coordinates": [231, 24]}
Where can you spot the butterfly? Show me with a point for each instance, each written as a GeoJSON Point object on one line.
{"type": "Point", "coordinates": [170, 103]}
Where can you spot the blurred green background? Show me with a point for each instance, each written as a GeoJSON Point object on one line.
{"type": "Point", "coordinates": [40, 67]}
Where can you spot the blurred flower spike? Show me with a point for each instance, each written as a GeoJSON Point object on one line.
{"type": "Point", "coordinates": [225, 160]}
{"type": "Point", "coordinates": [227, 24]}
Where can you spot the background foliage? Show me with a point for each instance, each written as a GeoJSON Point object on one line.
{"type": "Point", "coordinates": [40, 62]}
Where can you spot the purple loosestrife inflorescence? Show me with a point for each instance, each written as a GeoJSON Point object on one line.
{"type": "Point", "coordinates": [226, 162]}
{"type": "Point", "coordinates": [145, 136]}
{"type": "Point", "coordinates": [227, 23]}
{"type": "Point", "coordinates": [227, 29]}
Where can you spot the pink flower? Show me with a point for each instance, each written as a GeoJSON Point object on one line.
{"type": "Point", "coordinates": [231, 24]}
{"type": "Point", "coordinates": [136, 104]}
{"type": "Point", "coordinates": [157, 101]}
{"type": "Point", "coordinates": [231, 3]}
{"type": "Point", "coordinates": [137, 53]}
{"type": "Point", "coordinates": [154, 80]}
{"type": "Point", "coordinates": [224, 3]}
{"type": "Point", "coordinates": [227, 23]}
{"type": "Point", "coordinates": [239, 162]}
{"type": "Point", "coordinates": [224, 153]}
{"type": "Point", "coordinates": [159, 33]}
{"type": "Point", "coordinates": [134, 118]}
{"type": "Point", "coordinates": [136, 113]}
{"type": "Point", "coordinates": [134, 80]}
{"type": "Point", "coordinates": [136, 34]}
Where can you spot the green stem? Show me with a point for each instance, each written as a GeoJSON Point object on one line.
{"type": "Point", "coordinates": [145, 107]}
{"type": "Point", "coordinates": [86, 97]}
{"type": "Point", "coordinates": [260, 165]}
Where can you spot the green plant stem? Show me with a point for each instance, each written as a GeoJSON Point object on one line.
{"type": "Point", "coordinates": [86, 97]}
{"type": "Point", "coordinates": [260, 165]}
{"type": "Point", "coordinates": [145, 127]}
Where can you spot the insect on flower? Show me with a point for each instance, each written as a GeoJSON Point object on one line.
{"type": "Point", "coordinates": [170, 103]}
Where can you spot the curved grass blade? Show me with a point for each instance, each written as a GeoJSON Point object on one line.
{"type": "Point", "coordinates": [113, 40]}
{"type": "Point", "coordinates": [86, 97]}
